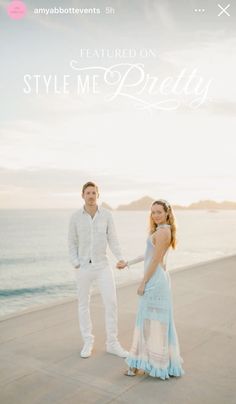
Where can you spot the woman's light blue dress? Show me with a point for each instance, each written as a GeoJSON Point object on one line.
{"type": "Point", "coordinates": [155, 346]}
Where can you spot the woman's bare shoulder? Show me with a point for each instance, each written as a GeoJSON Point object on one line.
{"type": "Point", "coordinates": [161, 234]}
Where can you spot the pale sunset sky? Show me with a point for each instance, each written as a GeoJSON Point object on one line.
{"type": "Point", "coordinates": [51, 144]}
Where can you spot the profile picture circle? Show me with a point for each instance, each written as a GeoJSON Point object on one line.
{"type": "Point", "coordinates": [16, 10]}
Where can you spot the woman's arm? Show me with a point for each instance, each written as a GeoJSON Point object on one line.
{"type": "Point", "coordinates": [162, 241]}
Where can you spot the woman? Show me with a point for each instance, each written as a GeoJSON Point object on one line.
{"type": "Point", "coordinates": [155, 346]}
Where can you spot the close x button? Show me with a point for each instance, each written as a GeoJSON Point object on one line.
{"type": "Point", "coordinates": [224, 10]}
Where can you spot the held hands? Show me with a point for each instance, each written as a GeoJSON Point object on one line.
{"type": "Point", "coordinates": [141, 289]}
{"type": "Point", "coordinates": [121, 264]}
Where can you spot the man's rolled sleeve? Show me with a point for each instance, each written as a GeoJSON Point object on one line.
{"type": "Point", "coordinates": [73, 243]}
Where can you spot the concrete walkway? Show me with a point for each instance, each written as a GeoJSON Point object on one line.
{"type": "Point", "coordinates": [39, 351]}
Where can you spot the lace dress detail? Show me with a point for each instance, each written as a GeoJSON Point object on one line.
{"type": "Point", "coordinates": [155, 346]}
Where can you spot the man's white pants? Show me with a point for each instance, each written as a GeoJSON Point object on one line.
{"type": "Point", "coordinates": [104, 278]}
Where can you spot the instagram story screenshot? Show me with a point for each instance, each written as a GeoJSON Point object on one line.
{"type": "Point", "coordinates": [117, 201]}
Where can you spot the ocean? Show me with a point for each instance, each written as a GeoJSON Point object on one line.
{"type": "Point", "coordinates": [34, 264]}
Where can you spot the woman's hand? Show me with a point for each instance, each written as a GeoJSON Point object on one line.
{"type": "Point", "coordinates": [141, 289]}
{"type": "Point", "coordinates": [121, 264]}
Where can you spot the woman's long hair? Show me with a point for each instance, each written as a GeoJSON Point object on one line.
{"type": "Point", "coordinates": [169, 220]}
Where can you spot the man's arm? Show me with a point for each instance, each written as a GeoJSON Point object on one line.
{"type": "Point", "coordinates": [113, 240]}
{"type": "Point", "coordinates": [73, 243]}
{"type": "Point", "coordinates": [136, 260]}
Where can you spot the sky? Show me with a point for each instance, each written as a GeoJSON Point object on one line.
{"type": "Point", "coordinates": [137, 141]}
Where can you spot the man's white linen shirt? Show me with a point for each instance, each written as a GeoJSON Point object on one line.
{"type": "Point", "coordinates": [88, 238]}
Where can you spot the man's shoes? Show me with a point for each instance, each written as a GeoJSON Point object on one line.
{"type": "Point", "coordinates": [86, 350]}
{"type": "Point", "coordinates": [116, 349]}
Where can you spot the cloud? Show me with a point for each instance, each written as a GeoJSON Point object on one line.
{"type": "Point", "coordinates": [53, 187]}
{"type": "Point", "coordinates": [44, 179]}
{"type": "Point", "coordinates": [222, 108]}
{"type": "Point", "coordinates": [58, 180]}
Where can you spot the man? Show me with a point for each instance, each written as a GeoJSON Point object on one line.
{"type": "Point", "coordinates": [91, 229]}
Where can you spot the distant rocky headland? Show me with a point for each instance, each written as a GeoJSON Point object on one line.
{"type": "Point", "coordinates": [145, 202]}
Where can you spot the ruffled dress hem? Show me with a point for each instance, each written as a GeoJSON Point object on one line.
{"type": "Point", "coordinates": [162, 373]}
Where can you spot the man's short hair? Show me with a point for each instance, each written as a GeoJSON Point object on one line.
{"type": "Point", "coordinates": [89, 184]}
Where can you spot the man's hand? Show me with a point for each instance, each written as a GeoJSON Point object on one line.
{"type": "Point", "coordinates": [141, 289]}
{"type": "Point", "coordinates": [121, 264]}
